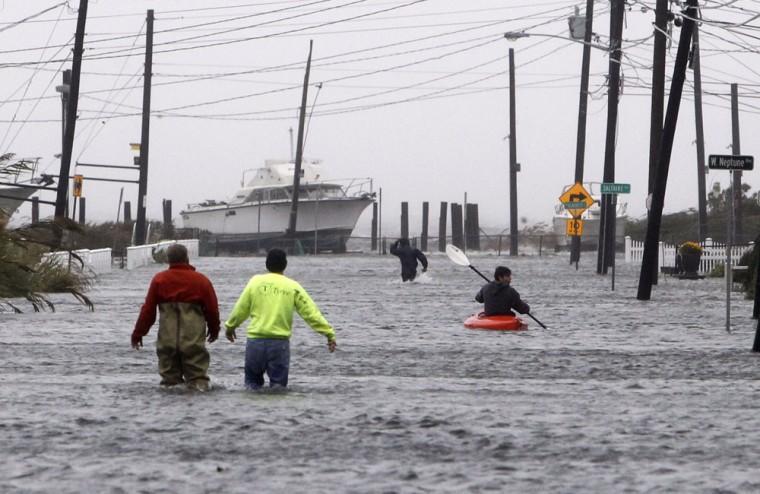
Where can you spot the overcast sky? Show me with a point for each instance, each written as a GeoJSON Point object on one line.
{"type": "Point", "coordinates": [414, 94]}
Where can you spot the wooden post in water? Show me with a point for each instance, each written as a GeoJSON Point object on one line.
{"type": "Point", "coordinates": [168, 226]}
{"type": "Point", "coordinates": [457, 236]}
{"type": "Point", "coordinates": [404, 219]}
{"type": "Point", "coordinates": [756, 308]}
{"type": "Point", "coordinates": [82, 214]}
{"type": "Point", "coordinates": [373, 245]}
{"type": "Point", "coordinates": [442, 227]}
{"type": "Point", "coordinates": [473, 227]}
{"type": "Point", "coordinates": [127, 212]}
{"type": "Point", "coordinates": [424, 234]}
{"type": "Point", "coordinates": [756, 255]}
{"type": "Point", "coordinates": [35, 210]}
{"type": "Point", "coordinates": [385, 246]}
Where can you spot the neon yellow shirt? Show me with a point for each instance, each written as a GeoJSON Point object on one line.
{"type": "Point", "coordinates": [269, 300]}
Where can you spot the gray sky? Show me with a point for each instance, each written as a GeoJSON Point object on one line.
{"type": "Point", "coordinates": [414, 94]}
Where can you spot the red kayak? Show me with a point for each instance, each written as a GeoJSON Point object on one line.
{"type": "Point", "coordinates": [496, 323]}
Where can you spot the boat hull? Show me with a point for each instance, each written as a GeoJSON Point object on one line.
{"type": "Point", "coordinates": [495, 323]}
{"type": "Point", "coordinates": [11, 199]}
{"type": "Point", "coordinates": [250, 227]}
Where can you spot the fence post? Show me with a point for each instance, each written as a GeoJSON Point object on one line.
{"type": "Point", "coordinates": [661, 254]}
{"type": "Point", "coordinates": [627, 249]}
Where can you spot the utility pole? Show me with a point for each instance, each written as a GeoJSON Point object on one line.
{"type": "Point", "coordinates": [665, 148]}
{"type": "Point", "coordinates": [512, 158]}
{"type": "Point", "coordinates": [606, 224]}
{"type": "Point", "coordinates": [142, 186]}
{"type": "Point", "coordinates": [701, 190]}
{"type": "Point", "coordinates": [61, 198]}
{"type": "Point", "coordinates": [738, 231]}
{"type": "Point", "coordinates": [658, 95]}
{"type": "Point", "coordinates": [658, 86]}
{"type": "Point", "coordinates": [299, 149]}
{"type": "Point", "coordinates": [580, 147]}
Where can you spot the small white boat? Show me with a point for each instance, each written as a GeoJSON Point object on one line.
{"type": "Point", "coordinates": [18, 183]}
{"type": "Point", "coordinates": [590, 218]}
{"type": "Point", "coordinates": [257, 215]}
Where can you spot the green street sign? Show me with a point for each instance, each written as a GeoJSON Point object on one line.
{"type": "Point", "coordinates": [610, 188]}
{"type": "Point", "coordinates": [575, 205]}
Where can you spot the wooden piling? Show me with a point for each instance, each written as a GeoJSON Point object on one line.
{"type": "Point", "coordinates": [457, 235]}
{"type": "Point", "coordinates": [442, 227]}
{"type": "Point", "coordinates": [35, 210]}
{"type": "Point", "coordinates": [82, 213]}
{"type": "Point", "coordinates": [472, 227]}
{"type": "Point", "coordinates": [404, 219]}
{"type": "Point", "coordinates": [168, 225]}
{"type": "Point", "coordinates": [424, 234]}
{"type": "Point", "coordinates": [127, 212]}
{"type": "Point", "coordinates": [373, 246]}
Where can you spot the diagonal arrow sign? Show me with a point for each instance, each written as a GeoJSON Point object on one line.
{"type": "Point", "coordinates": [580, 196]}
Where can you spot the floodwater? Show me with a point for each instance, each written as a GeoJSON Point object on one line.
{"type": "Point", "coordinates": [616, 396]}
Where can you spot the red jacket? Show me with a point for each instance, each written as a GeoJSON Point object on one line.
{"type": "Point", "coordinates": [179, 283]}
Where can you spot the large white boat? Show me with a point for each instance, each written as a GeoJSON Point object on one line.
{"type": "Point", "coordinates": [257, 215]}
{"type": "Point", "coordinates": [590, 217]}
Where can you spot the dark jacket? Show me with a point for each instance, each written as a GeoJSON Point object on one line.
{"type": "Point", "coordinates": [409, 257]}
{"type": "Point", "coordinates": [180, 283]}
{"type": "Point", "coordinates": [500, 299]}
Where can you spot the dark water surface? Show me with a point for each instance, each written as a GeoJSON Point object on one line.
{"type": "Point", "coordinates": [617, 396]}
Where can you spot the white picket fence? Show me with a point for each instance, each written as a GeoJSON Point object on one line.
{"type": "Point", "coordinates": [97, 261]}
{"type": "Point", "coordinates": [713, 254]}
{"type": "Point", "coordinates": [142, 255]}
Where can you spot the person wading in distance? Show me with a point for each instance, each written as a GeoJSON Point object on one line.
{"type": "Point", "coordinates": [408, 256]}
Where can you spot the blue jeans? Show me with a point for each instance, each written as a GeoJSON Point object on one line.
{"type": "Point", "coordinates": [266, 355]}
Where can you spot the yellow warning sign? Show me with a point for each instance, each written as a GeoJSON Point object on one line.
{"type": "Point", "coordinates": [78, 179]}
{"type": "Point", "coordinates": [574, 227]}
{"type": "Point", "coordinates": [576, 199]}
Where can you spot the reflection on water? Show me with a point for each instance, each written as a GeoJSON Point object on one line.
{"type": "Point", "coordinates": [617, 394]}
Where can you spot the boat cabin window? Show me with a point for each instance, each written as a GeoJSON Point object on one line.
{"type": "Point", "coordinates": [321, 191]}
{"type": "Point", "coordinates": [278, 194]}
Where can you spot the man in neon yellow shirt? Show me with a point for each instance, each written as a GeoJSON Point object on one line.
{"type": "Point", "coordinates": [269, 300]}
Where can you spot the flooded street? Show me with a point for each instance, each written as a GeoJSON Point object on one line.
{"type": "Point", "coordinates": [616, 396]}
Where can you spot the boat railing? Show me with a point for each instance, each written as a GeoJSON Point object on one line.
{"type": "Point", "coordinates": [351, 187]}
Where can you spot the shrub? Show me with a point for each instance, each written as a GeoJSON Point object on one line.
{"type": "Point", "coordinates": [690, 248]}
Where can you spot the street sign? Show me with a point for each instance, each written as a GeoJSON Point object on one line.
{"type": "Point", "coordinates": [611, 188]}
{"type": "Point", "coordinates": [576, 200]}
{"type": "Point", "coordinates": [730, 162]}
{"type": "Point", "coordinates": [574, 227]}
{"type": "Point", "coordinates": [78, 179]}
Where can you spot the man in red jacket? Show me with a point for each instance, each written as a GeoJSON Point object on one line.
{"type": "Point", "coordinates": [186, 303]}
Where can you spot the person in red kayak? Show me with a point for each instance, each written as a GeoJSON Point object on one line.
{"type": "Point", "coordinates": [499, 298]}
{"type": "Point", "coordinates": [187, 303]}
